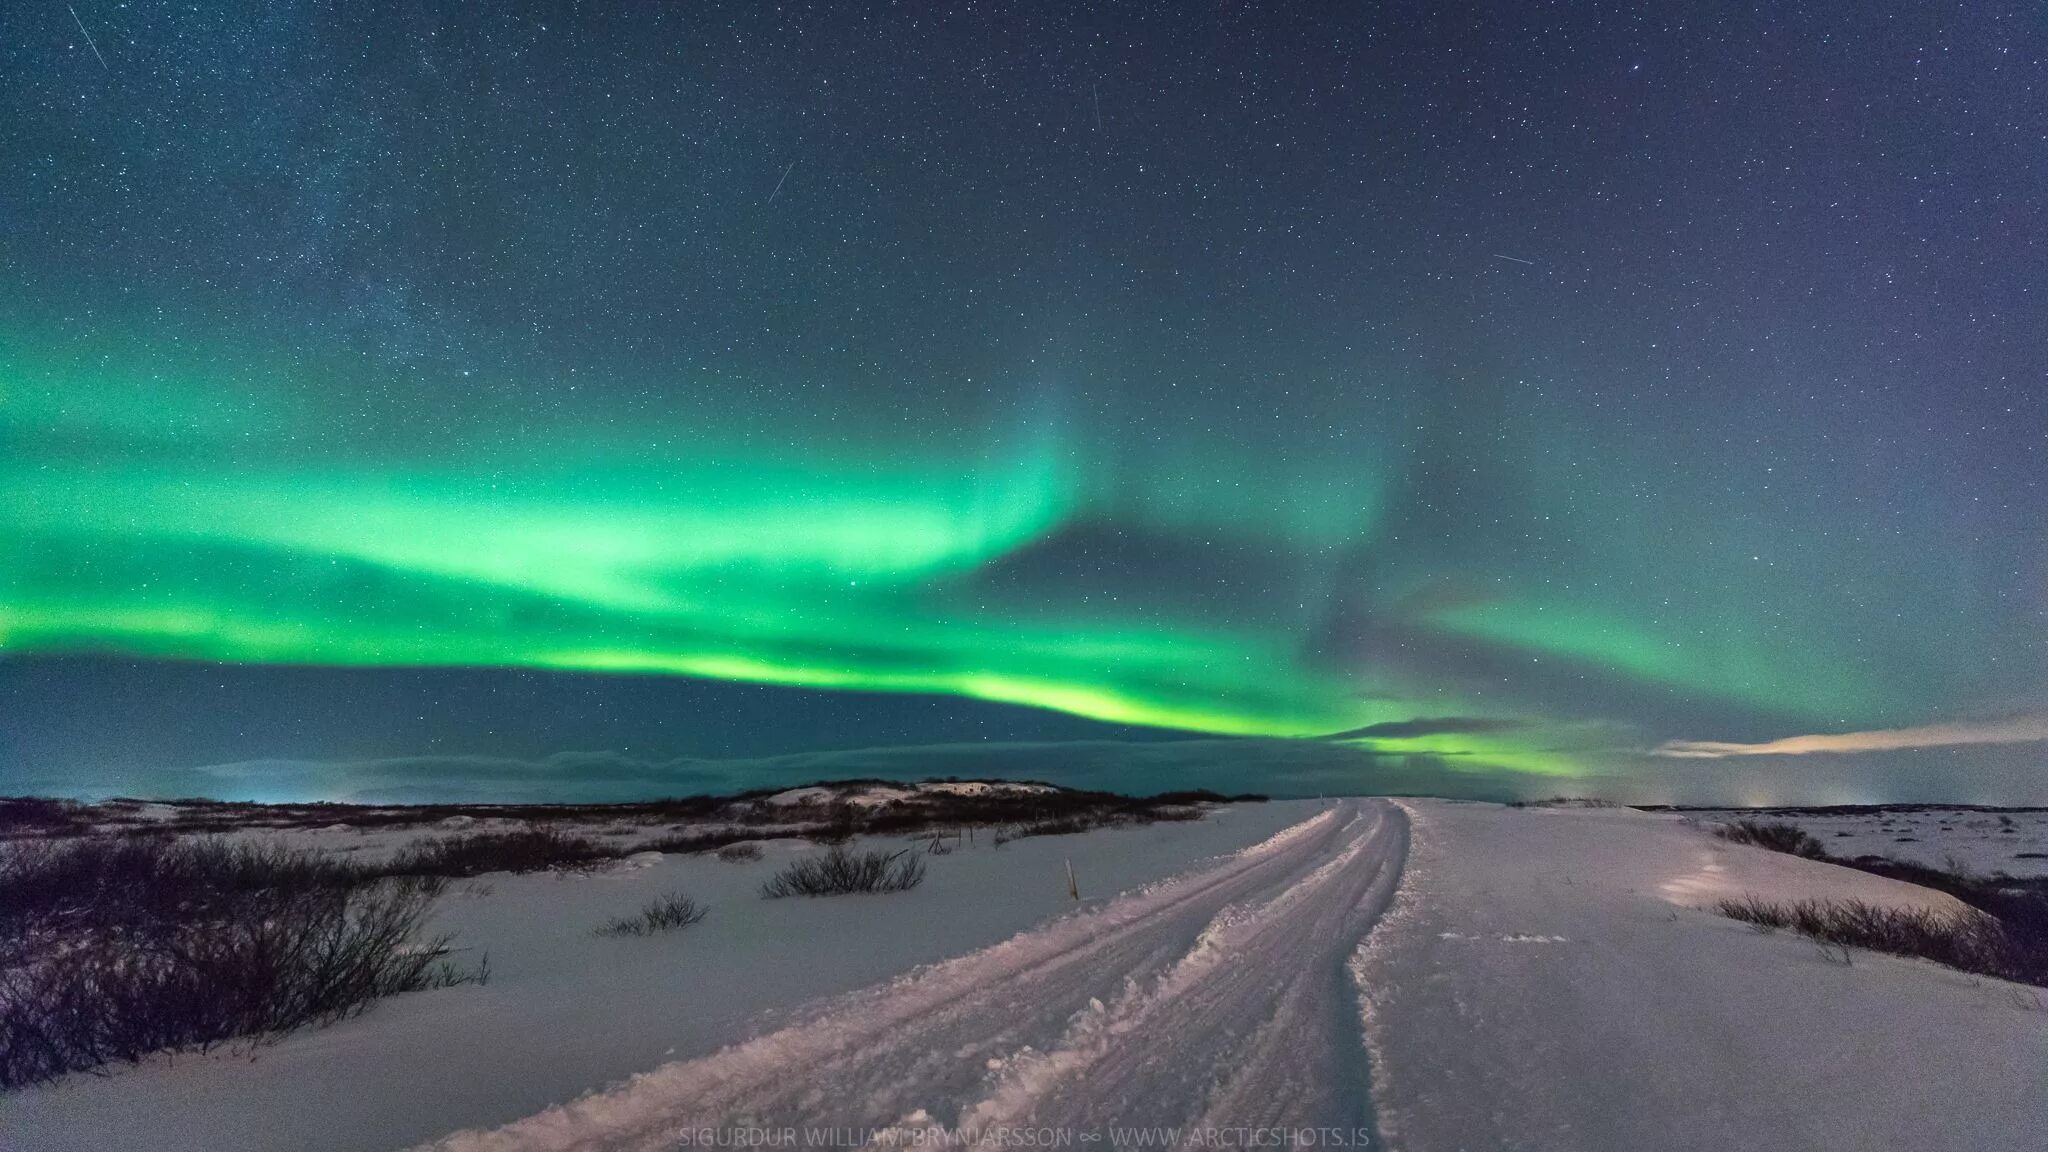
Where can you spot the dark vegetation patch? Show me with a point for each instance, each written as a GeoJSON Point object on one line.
{"type": "Point", "coordinates": [831, 820]}
{"type": "Point", "coordinates": [535, 848]}
{"type": "Point", "coordinates": [42, 816]}
{"type": "Point", "coordinates": [839, 872]}
{"type": "Point", "coordinates": [2005, 935]}
{"type": "Point", "coordinates": [669, 912]}
{"type": "Point", "coordinates": [1088, 821]}
{"type": "Point", "coordinates": [740, 852]}
{"type": "Point", "coordinates": [1788, 838]}
{"type": "Point", "coordinates": [1970, 942]}
{"type": "Point", "coordinates": [709, 840]}
{"type": "Point", "coordinates": [113, 948]}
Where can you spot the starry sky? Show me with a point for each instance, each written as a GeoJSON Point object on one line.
{"type": "Point", "coordinates": [1512, 392]}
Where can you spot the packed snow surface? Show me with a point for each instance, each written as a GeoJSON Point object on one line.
{"type": "Point", "coordinates": [1548, 980]}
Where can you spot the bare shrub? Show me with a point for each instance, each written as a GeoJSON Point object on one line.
{"type": "Point", "coordinates": [535, 848]}
{"type": "Point", "coordinates": [260, 964]}
{"type": "Point", "coordinates": [97, 882]}
{"type": "Point", "coordinates": [740, 853]}
{"type": "Point", "coordinates": [1971, 941]}
{"type": "Point", "coordinates": [114, 947]}
{"type": "Point", "coordinates": [693, 842]}
{"type": "Point", "coordinates": [1787, 838]}
{"type": "Point", "coordinates": [1080, 822]}
{"type": "Point", "coordinates": [43, 816]}
{"type": "Point", "coordinates": [674, 910]}
{"type": "Point", "coordinates": [840, 872]}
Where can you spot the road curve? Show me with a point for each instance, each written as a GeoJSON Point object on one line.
{"type": "Point", "coordinates": [1220, 998]}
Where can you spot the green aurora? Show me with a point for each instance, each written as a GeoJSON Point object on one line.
{"type": "Point", "coordinates": [1501, 393]}
{"type": "Point", "coordinates": [227, 506]}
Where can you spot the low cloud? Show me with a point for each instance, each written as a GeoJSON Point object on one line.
{"type": "Point", "coordinates": [2016, 730]}
{"type": "Point", "coordinates": [1430, 726]}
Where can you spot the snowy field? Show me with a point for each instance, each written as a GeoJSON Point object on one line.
{"type": "Point", "coordinates": [1414, 974]}
{"type": "Point", "coordinates": [2013, 842]}
{"type": "Point", "coordinates": [566, 1011]}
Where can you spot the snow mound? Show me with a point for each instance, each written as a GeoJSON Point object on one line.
{"type": "Point", "coordinates": [876, 795]}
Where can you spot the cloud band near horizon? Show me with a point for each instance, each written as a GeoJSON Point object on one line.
{"type": "Point", "coordinates": [2013, 730]}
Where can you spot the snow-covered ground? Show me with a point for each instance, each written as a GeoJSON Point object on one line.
{"type": "Point", "coordinates": [1209, 1000]}
{"type": "Point", "coordinates": [1422, 974]}
{"type": "Point", "coordinates": [1546, 981]}
{"type": "Point", "coordinates": [566, 1012]}
{"type": "Point", "coordinates": [876, 795]}
{"type": "Point", "coordinates": [2013, 842]}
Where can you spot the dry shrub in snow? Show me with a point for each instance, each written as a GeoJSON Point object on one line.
{"type": "Point", "coordinates": [674, 910]}
{"type": "Point", "coordinates": [110, 950]}
{"type": "Point", "coordinates": [536, 848]}
{"type": "Point", "coordinates": [1787, 838]}
{"type": "Point", "coordinates": [841, 872]}
{"type": "Point", "coordinates": [1971, 941]}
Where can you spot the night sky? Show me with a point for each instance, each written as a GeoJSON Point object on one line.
{"type": "Point", "coordinates": [1522, 392]}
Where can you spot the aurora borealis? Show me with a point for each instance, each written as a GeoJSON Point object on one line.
{"type": "Point", "coordinates": [1505, 390]}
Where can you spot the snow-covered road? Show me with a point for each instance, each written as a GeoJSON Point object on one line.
{"type": "Point", "coordinates": [1549, 979]}
{"type": "Point", "coordinates": [1221, 998]}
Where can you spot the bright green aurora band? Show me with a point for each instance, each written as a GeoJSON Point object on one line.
{"type": "Point", "coordinates": [176, 499]}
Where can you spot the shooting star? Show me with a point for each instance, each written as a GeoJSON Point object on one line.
{"type": "Point", "coordinates": [1516, 259]}
{"type": "Point", "coordinates": [88, 38]}
{"type": "Point", "coordinates": [778, 183]}
{"type": "Point", "coordinates": [1097, 90]}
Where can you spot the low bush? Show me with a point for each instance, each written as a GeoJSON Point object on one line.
{"type": "Point", "coordinates": [101, 883]}
{"type": "Point", "coordinates": [42, 816]}
{"type": "Point", "coordinates": [674, 910]}
{"type": "Point", "coordinates": [740, 853]}
{"type": "Point", "coordinates": [840, 872]}
{"type": "Point", "coordinates": [1083, 822]}
{"type": "Point", "coordinates": [112, 949]}
{"type": "Point", "coordinates": [1787, 838]}
{"type": "Point", "coordinates": [692, 842]}
{"type": "Point", "coordinates": [536, 848]}
{"type": "Point", "coordinates": [2007, 937]}
{"type": "Point", "coordinates": [1971, 941]}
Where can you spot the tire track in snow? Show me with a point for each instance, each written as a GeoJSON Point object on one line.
{"type": "Point", "coordinates": [1220, 997]}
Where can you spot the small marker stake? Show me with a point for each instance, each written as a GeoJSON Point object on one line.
{"type": "Point", "coordinates": [1073, 889]}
